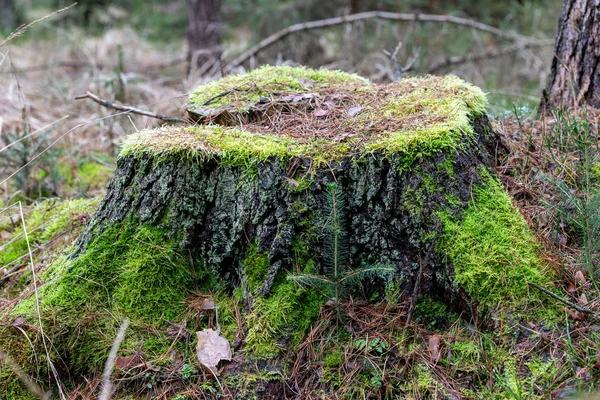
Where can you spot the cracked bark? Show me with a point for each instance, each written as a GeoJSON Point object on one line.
{"type": "Point", "coordinates": [220, 211]}
{"type": "Point", "coordinates": [575, 72]}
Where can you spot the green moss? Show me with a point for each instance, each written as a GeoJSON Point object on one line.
{"type": "Point", "coordinates": [448, 166]}
{"type": "Point", "coordinates": [493, 252]}
{"type": "Point", "coordinates": [421, 116]}
{"type": "Point", "coordinates": [334, 359]}
{"type": "Point", "coordinates": [413, 201]}
{"type": "Point", "coordinates": [130, 270]}
{"type": "Point", "coordinates": [44, 221]}
{"type": "Point", "coordinates": [433, 313]}
{"type": "Point", "coordinates": [256, 266]}
{"type": "Point", "coordinates": [11, 387]}
{"type": "Point", "coordinates": [244, 90]}
{"type": "Point", "coordinates": [94, 174]}
{"type": "Point", "coordinates": [287, 312]}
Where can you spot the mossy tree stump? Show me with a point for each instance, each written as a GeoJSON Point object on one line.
{"type": "Point", "coordinates": [238, 200]}
{"type": "Point", "coordinates": [251, 175]}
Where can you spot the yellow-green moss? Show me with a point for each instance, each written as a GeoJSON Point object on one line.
{"type": "Point", "coordinates": [244, 90]}
{"type": "Point", "coordinates": [127, 271]}
{"type": "Point", "coordinates": [287, 311]}
{"type": "Point", "coordinates": [43, 221]}
{"type": "Point", "coordinates": [435, 113]}
{"type": "Point", "coordinates": [256, 266]}
{"type": "Point", "coordinates": [493, 252]}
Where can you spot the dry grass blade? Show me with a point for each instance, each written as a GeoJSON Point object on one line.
{"type": "Point", "coordinates": [32, 133]}
{"type": "Point", "coordinates": [110, 361]}
{"type": "Point", "coordinates": [37, 304]}
{"type": "Point", "coordinates": [23, 28]}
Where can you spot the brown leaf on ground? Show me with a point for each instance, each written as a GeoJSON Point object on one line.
{"type": "Point", "coordinates": [580, 278]}
{"type": "Point", "coordinates": [212, 348]}
{"type": "Point", "coordinates": [128, 362]}
{"type": "Point", "coordinates": [292, 181]}
{"type": "Point", "coordinates": [575, 315]}
{"type": "Point", "coordinates": [434, 347]}
{"type": "Point", "coordinates": [207, 304]}
{"type": "Point", "coordinates": [320, 112]}
{"type": "Point", "coordinates": [582, 300]}
{"type": "Point", "coordinates": [19, 321]}
{"type": "Point", "coordinates": [5, 235]}
{"type": "Point", "coordinates": [353, 111]}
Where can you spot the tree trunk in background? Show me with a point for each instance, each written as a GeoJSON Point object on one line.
{"type": "Point", "coordinates": [204, 33]}
{"type": "Point", "coordinates": [8, 17]}
{"type": "Point", "coordinates": [575, 74]}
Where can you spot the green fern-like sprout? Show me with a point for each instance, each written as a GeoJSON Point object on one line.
{"type": "Point", "coordinates": [338, 278]}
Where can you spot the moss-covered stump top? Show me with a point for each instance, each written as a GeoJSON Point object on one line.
{"type": "Point", "coordinates": [318, 115]}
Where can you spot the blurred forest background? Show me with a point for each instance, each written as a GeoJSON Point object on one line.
{"type": "Point", "coordinates": [136, 52]}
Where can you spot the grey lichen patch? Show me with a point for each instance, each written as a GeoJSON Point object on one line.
{"type": "Point", "coordinates": [335, 116]}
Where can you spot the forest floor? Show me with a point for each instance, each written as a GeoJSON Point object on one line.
{"type": "Point", "coordinates": [61, 170]}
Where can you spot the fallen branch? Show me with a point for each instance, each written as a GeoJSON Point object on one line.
{"type": "Point", "coordinates": [128, 109]}
{"type": "Point", "coordinates": [562, 300]}
{"type": "Point", "coordinates": [306, 26]}
{"type": "Point", "coordinates": [490, 53]}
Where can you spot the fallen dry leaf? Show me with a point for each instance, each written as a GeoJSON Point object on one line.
{"type": "Point", "coordinates": [582, 300]}
{"type": "Point", "coordinates": [19, 321]}
{"type": "Point", "coordinates": [212, 348]}
{"type": "Point", "coordinates": [5, 235]}
{"type": "Point", "coordinates": [576, 315]}
{"type": "Point", "coordinates": [207, 304]}
{"type": "Point", "coordinates": [434, 347]}
{"type": "Point", "coordinates": [319, 112]}
{"type": "Point", "coordinates": [292, 181]}
{"type": "Point", "coordinates": [128, 362]}
{"type": "Point", "coordinates": [580, 278]}
{"type": "Point", "coordinates": [352, 111]}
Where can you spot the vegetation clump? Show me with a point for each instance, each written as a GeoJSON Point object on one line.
{"type": "Point", "coordinates": [492, 249]}
{"type": "Point", "coordinates": [338, 117]}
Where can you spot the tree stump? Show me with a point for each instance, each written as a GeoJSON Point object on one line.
{"type": "Point", "coordinates": [251, 175]}
{"type": "Point", "coordinates": [233, 205]}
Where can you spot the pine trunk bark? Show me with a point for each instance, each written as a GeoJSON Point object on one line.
{"type": "Point", "coordinates": [203, 33]}
{"type": "Point", "coordinates": [575, 72]}
{"type": "Point", "coordinates": [8, 17]}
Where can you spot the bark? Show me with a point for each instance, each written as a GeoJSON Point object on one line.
{"type": "Point", "coordinates": [575, 72]}
{"type": "Point", "coordinates": [219, 212]}
{"type": "Point", "coordinates": [8, 17]}
{"type": "Point", "coordinates": [204, 32]}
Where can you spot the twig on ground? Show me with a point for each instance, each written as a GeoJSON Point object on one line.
{"type": "Point", "coordinates": [562, 300]}
{"type": "Point", "coordinates": [424, 264]}
{"type": "Point", "coordinates": [306, 26]}
{"type": "Point", "coordinates": [128, 109]}
{"type": "Point", "coordinates": [110, 362]}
